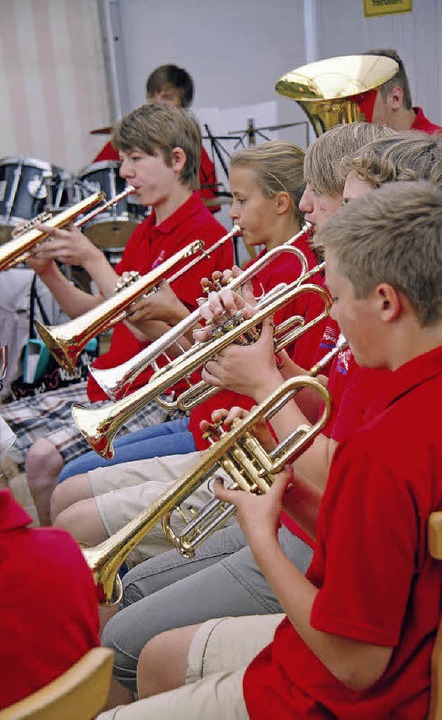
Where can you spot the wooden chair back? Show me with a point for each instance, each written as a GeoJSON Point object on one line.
{"type": "Point", "coordinates": [79, 694]}
{"type": "Point", "coordinates": [435, 550]}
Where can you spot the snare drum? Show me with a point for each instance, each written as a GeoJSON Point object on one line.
{"type": "Point", "coordinates": [113, 227]}
{"type": "Point", "coordinates": [29, 187]}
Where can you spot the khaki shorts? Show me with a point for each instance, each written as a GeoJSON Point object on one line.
{"type": "Point", "coordinates": [124, 491]}
{"type": "Point", "coordinates": [220, 652]}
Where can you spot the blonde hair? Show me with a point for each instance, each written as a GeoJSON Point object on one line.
{"type": "Point", "coordinates": [393, 235]}
{"type": "Point", "coordinates": [278, 166]}
{"type": "Point", "coordinates": [322, 165]}
{"type": "Point", "coordinates": [409, 155]}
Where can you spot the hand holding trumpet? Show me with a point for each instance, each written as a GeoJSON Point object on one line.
{"type": "Point", "coordinates": [247, 369]}
{"type": "Point", "coordinates": [69, 246]}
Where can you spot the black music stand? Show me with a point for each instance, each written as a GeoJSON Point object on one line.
{"type": "Point", "coordinates": [252, 132]}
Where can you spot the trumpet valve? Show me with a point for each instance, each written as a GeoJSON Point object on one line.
{"type": "Point", "coordinates": [126, 279]}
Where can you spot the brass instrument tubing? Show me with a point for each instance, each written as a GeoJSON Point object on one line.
{"type": "Point", "coordinates": [100, 425]}
{"type": "Point", "coordinates": [115, 382]}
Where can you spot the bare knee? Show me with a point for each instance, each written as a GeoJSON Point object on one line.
{"type": "Point", "coordinates": [83, 521]}
{"type": "Point", "coordinates": [69, 492]}
{"type": "Point", "coordinates": [156, 673]}
{"type": "Point", "coordinates": [43, 463]}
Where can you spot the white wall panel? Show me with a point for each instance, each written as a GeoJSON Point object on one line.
{"type": "Point", "coordinates": [237, 49]}
{"type": "Point", "coordinates": [52, 80]}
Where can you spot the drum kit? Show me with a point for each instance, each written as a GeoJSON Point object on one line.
{"type": "Point", "coordinates": [30, 187]}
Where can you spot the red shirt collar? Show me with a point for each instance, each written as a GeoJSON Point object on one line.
{"type": "Point", "coordinates": [12, 515]}
{"type": "Point", "coordinates": [191, 207]}
{"type": "Point", "coordinates": [422, 123]}
{"type": "Point", "coordinates": [406, 378]}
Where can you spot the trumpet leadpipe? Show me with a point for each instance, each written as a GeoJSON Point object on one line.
{"type": "Point", "coordinates": [128, 190]}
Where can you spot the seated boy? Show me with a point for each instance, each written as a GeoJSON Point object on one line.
{"type": "Point", "coordinates": [361, 624]}
{"type": "Point", "coordinates": [160, 148]}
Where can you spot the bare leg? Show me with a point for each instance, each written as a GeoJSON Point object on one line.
{"type": "Point", "coordinates": [156, 673]}
{"type": "Point", "coordinates": [71, 491]}
{"type": "Point", "coordinates": [118, 695]}
{"type": "Point", "coordinates": [43, 465]}
{"type": "Point", "coordinates": [83, 521]}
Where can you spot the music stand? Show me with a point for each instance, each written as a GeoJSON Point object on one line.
{"type": "Point", "coordinates": [251, 132]}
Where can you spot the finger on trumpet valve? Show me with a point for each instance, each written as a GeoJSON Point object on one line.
{"type": "Point", "coordinates": [214, 431]}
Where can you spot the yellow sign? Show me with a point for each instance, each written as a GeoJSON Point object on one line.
{"type": "Point", "coordinates": [386, 7]}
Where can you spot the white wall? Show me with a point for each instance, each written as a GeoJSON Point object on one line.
{"type": "Point", "coordinates": [237, 49]}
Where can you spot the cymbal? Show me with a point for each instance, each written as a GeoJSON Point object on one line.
{"type": "Point", "coordinates": [102, 131]}
{"type": "Point", "coordinates": [337, 77]}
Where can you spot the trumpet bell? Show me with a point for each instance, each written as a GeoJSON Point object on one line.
{"type": "Point", "coordinates": [328, 90]}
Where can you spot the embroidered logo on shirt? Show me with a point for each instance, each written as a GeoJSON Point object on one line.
{"type": "Point", "coordinates": [329, 338]}
{"type": "Point", "coordinates": [159, 260]}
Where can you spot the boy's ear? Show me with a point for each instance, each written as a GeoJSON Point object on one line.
{"type": "Point", "coordinates": [282, 202]}
{"type": "Point", "coordinates": [389, 302]}
{"type": "Point", "coordinates": [396, 96]}
{"type": "Point", "coordinates": [179, 159]}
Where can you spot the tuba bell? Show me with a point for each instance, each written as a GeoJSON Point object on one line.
{"type": "Point", "coordinates": [328, 90]}
{"type": "Point", "coordinates": [250, 466]}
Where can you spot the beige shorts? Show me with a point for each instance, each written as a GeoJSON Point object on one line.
{"type": "Point", "coordinates": [219, 654]}
{"type": "Point", "coordinates": [124, 491]}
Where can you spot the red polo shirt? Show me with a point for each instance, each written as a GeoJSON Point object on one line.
{"type": "Point", "coordinates": [377, 583]}
{"type": "Point", "coordinates": [148, 246]}
{"type": "Point", "coordinates": [421, 123]}
{"type": "Point", "coordinates": [48, 605]}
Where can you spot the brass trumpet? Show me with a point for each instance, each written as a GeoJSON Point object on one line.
{"type": "Point", "coordinates": [245, 460]}
{"type": "Point", "coordinates": [116, 381]}
{"type": "Point", "coordinates": [20, 247]}
{"type": "Point", "coordinates": [67, 341]}
{"type": "Point", "coordinates": [100, 425]}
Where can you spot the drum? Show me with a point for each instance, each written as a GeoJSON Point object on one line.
{"type": "Point", "coordinates": [29, 187]}
{"type": "Point", "coordinates": [113, 227]}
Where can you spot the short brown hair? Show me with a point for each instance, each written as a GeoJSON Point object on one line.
{"type": "Point", "coordinates": [322, 159]}
{"type": "Point", "coordinates": [278, 166]}
{"type": "Point", "coordinates": [400, 78]}
{"type": "Point", "coordinates": [171, 76]}
{"type": "Point", "coordinates": [392, 234]}
{"type": "Point", "coordinates": [161, 128]}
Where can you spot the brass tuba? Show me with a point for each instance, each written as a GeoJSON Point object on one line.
{"type": "Point", "coordinates": [100, 425]}
{"type": "Point", "coordinates": [116, 381]}
{"type": "Point", "coordinates": [245, 460]}
{"type": "Point", "coordinates": [67, 341]}
{"type": "Point", "coordinates": [328, 90]}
